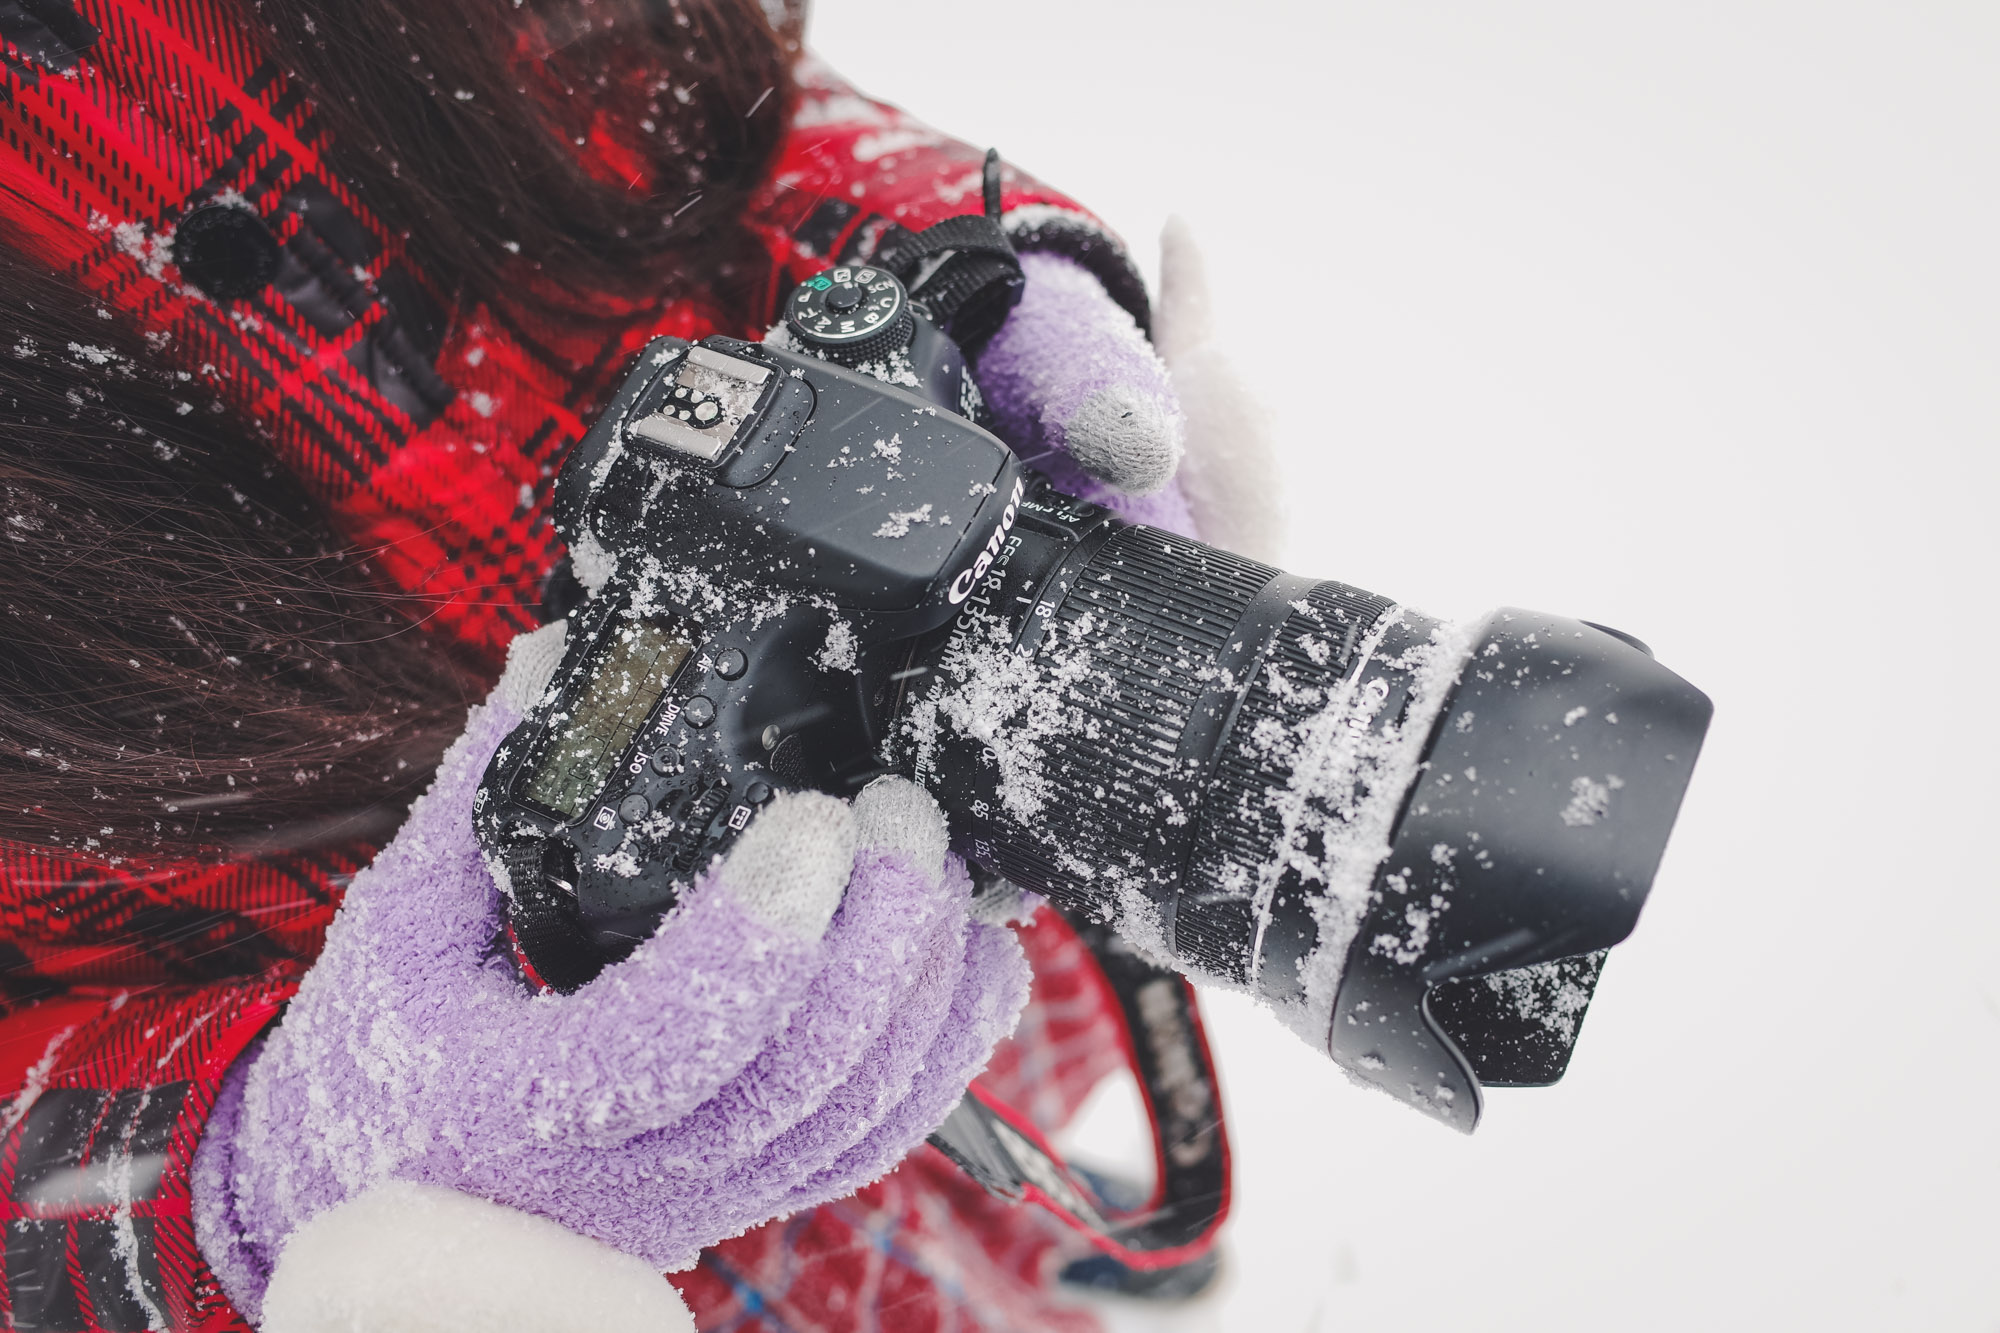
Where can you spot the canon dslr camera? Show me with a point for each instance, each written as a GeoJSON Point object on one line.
{"type": "Point", "coordinates": [810, 566]}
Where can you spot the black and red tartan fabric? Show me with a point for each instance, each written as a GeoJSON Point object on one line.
{"type": "Point", "coordinates": [113, 1087]}
{"type": "Point", "coordinates": [67, 922]}
{"type": "Point", "coordinates": [432, 434]}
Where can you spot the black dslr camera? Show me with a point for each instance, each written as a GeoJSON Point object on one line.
{"type": "Point", "coordinates": [811, 566]}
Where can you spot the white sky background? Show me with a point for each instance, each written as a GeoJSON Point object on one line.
{"type": "Point", "coordinates": [1681, 318]}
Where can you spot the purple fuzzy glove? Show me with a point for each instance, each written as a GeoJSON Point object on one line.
{"type": "Point", "coordinates": [814, 1007]}
{"type": "Point", "coordinates": [1080, 394]}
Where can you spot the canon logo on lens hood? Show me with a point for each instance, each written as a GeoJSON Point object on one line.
{"type": "Point", "coordinates": [961, 587]}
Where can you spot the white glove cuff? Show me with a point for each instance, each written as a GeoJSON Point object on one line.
{"type": "Point", "coordinates": [408, 1258]}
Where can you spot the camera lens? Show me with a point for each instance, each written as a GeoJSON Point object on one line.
{"type": "Point", "coordinates": [1145, 778]}
{"type": "Point", "coordinates": [1302, 789]}
{"type": "Point", "coordinates": [1413, 839]}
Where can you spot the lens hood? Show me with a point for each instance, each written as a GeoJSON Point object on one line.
{"type": "Point", "coordinates": [1524, 849]}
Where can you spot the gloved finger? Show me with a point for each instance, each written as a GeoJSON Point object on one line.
{"type": "Point", "coordinates": [740, 1195]}
{"type": "Point", "coordinates": [656, 1035]}
{"type": "Point", "coordinates": [882, 1081]}
{"type": "Point", "coordinates": [897, 911]}
{"type": "Point", "coordinates": [894, 818]}
{"type": "Point", "coordinates": [1071, 373]}
{"type": "Point", "coordinates": [693, 1210]}
{"type": "Point", "coordinates": [668, 1220]}
{"type": "Point", "coordinates": [990, 996]}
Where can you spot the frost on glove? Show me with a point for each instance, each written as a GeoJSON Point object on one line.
{"type": "Point", "coordinates": [812, 1009]}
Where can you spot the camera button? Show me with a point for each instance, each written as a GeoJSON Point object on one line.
{"type": "Point", "coordinates": [757, 793]}
{"type": "Point", "coordinates": [634, 808]}
{"type": "Point", "coordinates": [698, 711]}
{"type": "Point", "coordinates": [731, 664]}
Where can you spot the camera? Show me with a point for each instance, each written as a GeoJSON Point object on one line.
{"type": "Point", "coordinates": [811, 565]}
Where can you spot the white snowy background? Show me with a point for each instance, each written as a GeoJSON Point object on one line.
{"type": "Point", "coordinates": [1679, 317]}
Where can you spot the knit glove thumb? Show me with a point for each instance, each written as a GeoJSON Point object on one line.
{"type": "Point", "coordinates": [1073, 383]}
{"type": "Point", "coordinates": [811, 1010]}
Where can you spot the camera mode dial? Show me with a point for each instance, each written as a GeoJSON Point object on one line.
{"type": "Point", "coordinates": [851, 314]}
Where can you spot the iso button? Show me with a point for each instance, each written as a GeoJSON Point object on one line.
{"type": "Point", "coordinates": [851, 314]}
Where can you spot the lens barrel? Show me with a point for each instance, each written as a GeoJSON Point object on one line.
{"type": "Point", "coordinates": [1399, 833]}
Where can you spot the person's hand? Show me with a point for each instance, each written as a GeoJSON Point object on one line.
{"type": "Point", "coordinates": [813, 1008]}
{"type": "Point", "coordinates": [1170, 437]}
{"type": "Point", "coordinates": [1076, 389]}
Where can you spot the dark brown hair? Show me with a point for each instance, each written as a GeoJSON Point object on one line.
{"type": "Point", "coordinates": [190, 659]}
{"type": "Point", "coordinates": [194, 662]}
{"type": "Point", "coordinates": [460, 122]}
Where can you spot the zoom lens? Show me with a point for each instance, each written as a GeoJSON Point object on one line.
{"type": "Point", "coordinates": [1402, 834]}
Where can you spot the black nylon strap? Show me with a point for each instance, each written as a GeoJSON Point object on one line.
{"type": "Point", "coordinates": [962, 272]}
{"type": "Point", "coordinates": [1001, 1149]}
{"type": "Point", "coordinates": [970, 232]}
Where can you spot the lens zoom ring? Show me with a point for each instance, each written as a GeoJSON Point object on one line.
{"type": "Point", "coordinates": [1150, 613]}
{"type": "Point", "coordinates": [1215, 926]}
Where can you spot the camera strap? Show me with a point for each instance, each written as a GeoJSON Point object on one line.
{"type": "Point", "coordinates": [1168, 1053]}
{"type": "Point", "coordinates": [962, 272]}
